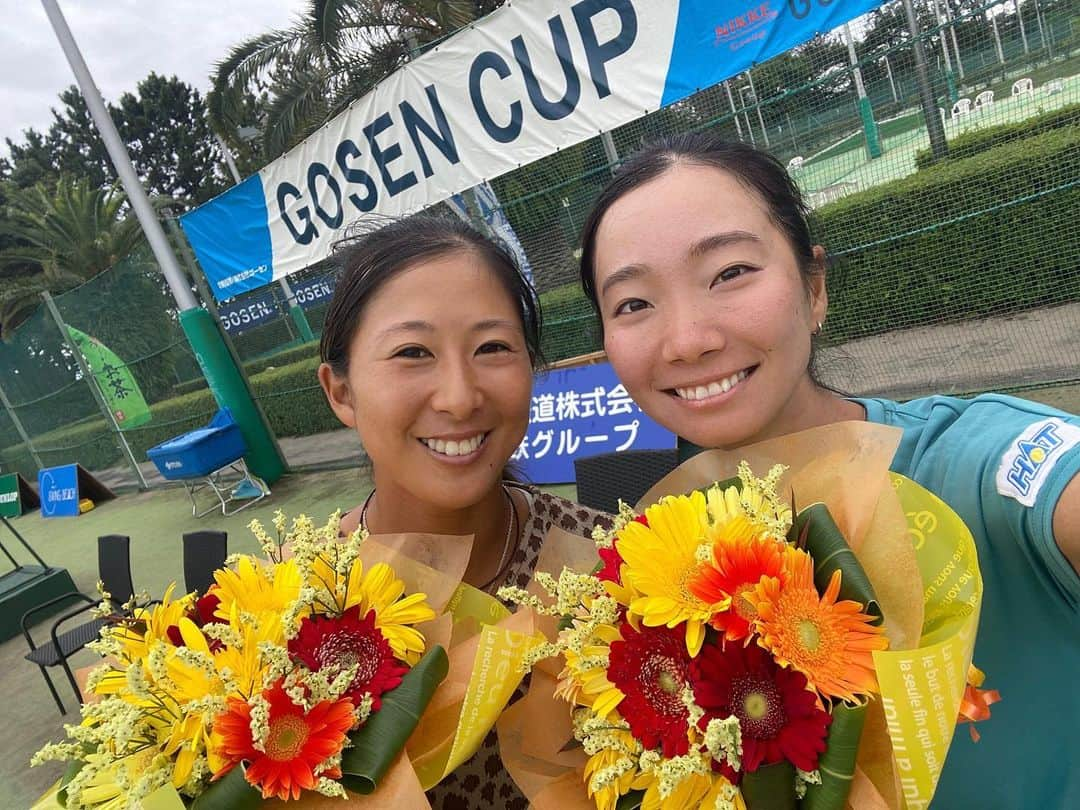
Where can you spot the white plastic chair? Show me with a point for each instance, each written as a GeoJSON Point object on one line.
{"type": "Point", "coordinates": [795, 163]}
{"type": "Point", "coordinates": [1023, 86]}
{"type": "Point", "coordinates": [961, 107]}
{"type": "Point", "coordinates": [1054, 86]}
{"type": "Point", "coordinates": [984, 99]}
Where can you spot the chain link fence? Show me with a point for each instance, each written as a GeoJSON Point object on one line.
{"type": "Point", "coordinates": [955, 275]}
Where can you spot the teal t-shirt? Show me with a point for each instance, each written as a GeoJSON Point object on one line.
{"type": "Point", "coordinates": [1001, 463]}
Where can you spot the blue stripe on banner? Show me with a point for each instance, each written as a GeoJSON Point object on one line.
{"type": "Point", "coordinates": [714, 41]}
{"type": "Point", "coordinates": [231, 238]}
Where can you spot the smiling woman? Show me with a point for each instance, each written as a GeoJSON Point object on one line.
{"type": "Point", "coordinates": [428, 353]}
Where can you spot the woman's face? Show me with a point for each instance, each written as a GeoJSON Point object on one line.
{"type": "Point", "coordinates": [439, 381]}
{"type": "Point", "coordinates": [707, 320]}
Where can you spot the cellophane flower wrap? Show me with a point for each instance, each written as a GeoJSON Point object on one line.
{"type": "Point", "coordinates": [328, 668]}
{"type": "Point", "coordinates": [797, 634]}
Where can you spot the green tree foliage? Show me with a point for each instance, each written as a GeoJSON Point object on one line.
{"type": "Point", "coordinates": [286, 83]}
{"type": "Point", "coordinates": [164, 125]}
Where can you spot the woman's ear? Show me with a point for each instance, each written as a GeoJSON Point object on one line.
{"type": "Point", "coordinates": [338, 394]}
{"type": "Point", "coordinates": [819, 296]}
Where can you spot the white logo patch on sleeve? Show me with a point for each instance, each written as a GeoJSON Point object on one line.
{"type": "Point", "coordinates": [1030, 457]}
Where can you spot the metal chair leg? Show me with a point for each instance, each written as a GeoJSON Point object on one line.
{"type": "Point", "coordinates": [56, 697]}
{"type": "Point", "coordinates": [72, 681]}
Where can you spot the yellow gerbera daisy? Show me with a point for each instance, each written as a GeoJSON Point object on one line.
{"type": "Point", "coordinates": [830, 642]}
{"type": "Point", "coordinates": [661, 558]}
{"type": "Point", "coordinates": [262, 591]}
{"type": "Point", "coordinates": [382, 592]}
{"type": "Point", "coordinates": [584, 679]}
{"type": "Point", "coordinates": [606, 796]}
{"type": "Point", "coordinates": [696, 790]}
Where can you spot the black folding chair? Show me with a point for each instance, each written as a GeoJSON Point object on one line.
{"type": "Point", "coordinates": [602, 480]}
{"type": "Point", "coordinates": [114, 569]}
{"type": "Point", "coordinates": [204, 553]}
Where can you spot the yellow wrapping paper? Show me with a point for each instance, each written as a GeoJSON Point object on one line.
{"type": "Point", "coordinates": [921, 560]}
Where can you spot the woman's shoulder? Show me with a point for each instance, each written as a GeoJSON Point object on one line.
{"type": "Point", "coordinates": [549, 509]}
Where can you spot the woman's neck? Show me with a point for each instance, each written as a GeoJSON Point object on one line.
{"type": "Point", "coordinates": [393, 509]}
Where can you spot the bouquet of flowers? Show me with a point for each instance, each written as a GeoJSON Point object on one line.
{"type": "Point", "coordinates": [300, 675]}
{"type": "Point", "coordinates": [725, 651]}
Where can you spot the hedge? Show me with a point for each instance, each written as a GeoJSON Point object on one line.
{"type": "Point", "coordinates": [972, 143]}
{"type": "Point", "coordinates": [290, 396]}
{"type": "Point", "coordinates": [1002, 258]}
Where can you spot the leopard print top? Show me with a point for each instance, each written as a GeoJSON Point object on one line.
{"type": "Point", "coordinates": [481, 783]}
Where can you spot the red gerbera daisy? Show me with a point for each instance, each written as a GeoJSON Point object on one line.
{"type": "Point", "coordinates": [651, 668]}
{"type": "Point", "coordinates": [296, 744]}
{"type": "Point", "coordinates": [778, 716]}
{"type": "Point", "coordinates": [347, 640]}
{"type": "Point", "coordinates": [202, 615]}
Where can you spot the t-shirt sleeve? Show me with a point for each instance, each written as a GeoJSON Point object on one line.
{"type": "Point", "coordinates": [1031, 454]}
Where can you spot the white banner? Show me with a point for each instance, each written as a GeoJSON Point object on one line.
{"type": "Point", "coordinates": [529, 79]}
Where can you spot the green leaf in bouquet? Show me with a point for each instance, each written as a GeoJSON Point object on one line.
{"type": "Point", "coordinates": [377, 743]}
{"type": "Point", "coordinates": [231, 792]}
{"type": "Point", "coordinates": [73, 767]}
{"type": "Point", "coordinates": [837, 764]}
{"type": "Point", "coordinates": [770, 787]}
{"type": "Point", "coordinates": [814, 529]}
{"type": "Point", "coordinates": [630, 801]}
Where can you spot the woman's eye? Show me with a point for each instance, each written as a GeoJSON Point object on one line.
{"type": "Point", "coordinates": [631, 305]}
{"type": "Point", "coordinates": [733, 272]}
{"type": "Point", "coordinates": [412, 352]}
{"type": "Point", "coordinates": [493, 346]}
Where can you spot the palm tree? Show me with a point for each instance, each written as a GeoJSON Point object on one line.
{"type": "Point", "coordinates": [65, 234]}
{"type": "Point", "coordinates": [289, 82]}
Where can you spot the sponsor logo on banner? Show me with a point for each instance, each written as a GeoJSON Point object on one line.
{"type": "Point", "coordinates": [742, 29]}
{"type": "Point", "coordinates": [1029, 459]}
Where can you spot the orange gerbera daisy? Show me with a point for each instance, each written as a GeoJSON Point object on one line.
{"type": "Point", "coordinates": [739, 561]}
{"type": "Point", "coordinates": [296, 744]}
{"type": "Point", "coordinates": [830, 642]}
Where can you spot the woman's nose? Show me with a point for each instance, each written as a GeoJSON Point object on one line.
{"type": "Point", "coordinates": [457, 392]}
{"type": "Point", "coordinates": [691, 330]}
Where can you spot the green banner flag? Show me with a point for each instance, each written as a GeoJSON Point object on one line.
{"type": "Point", "coordinates": [115, 380]}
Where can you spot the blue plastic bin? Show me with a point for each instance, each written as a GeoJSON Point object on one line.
{"type": "Point", "coordinates": [200, 452]}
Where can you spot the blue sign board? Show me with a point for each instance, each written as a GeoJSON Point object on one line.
{"type": "Point", "coordinates": [581, 412]}
{"type": "Point", "coordinates": [313, 291]}
{"type": "Point", "coordinates": [59, 491]}
{"type": "Point", "coordinates": [251, 310]}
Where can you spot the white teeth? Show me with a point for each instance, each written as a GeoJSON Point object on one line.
{"type": "Point", "coordinates": [712, 389]}
{"type": "Point", "coordinates": [456, 448]}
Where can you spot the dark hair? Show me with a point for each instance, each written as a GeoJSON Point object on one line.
{"type": "Point", "coordinates": [756, 170]}
{"type": "Point", "coordinates": [371, 257]}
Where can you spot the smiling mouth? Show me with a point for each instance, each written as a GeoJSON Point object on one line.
{"type": "Point", "coordinates": [696, 393]}
{"type": "Point", "coordinates": [453, 449]}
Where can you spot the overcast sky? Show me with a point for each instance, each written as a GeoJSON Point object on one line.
{"type": "Point", "coordinates": [121, 41]}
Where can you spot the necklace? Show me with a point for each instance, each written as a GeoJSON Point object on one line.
{"type": "Point", "coordinates": [511, 523]}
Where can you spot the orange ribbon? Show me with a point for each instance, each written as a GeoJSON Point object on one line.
{"type": "Point", "coordinates": [975, 704]}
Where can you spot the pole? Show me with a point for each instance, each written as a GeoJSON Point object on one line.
{"type": "Point", "coordinates": [757, 106]}
{"type": "Point", "coordinates": [892, 83]}
{"type": "Point", "coordinates": [19, 427]}
{"type": "Point", "coordinates": [224, 378]}
{"type": "Point", "coordinates": [866, 110]}
{"type": "Point", "coordinates": [610, 151]}
{"type": "Point", "coordinates": [22, 540]}
{"type": "Point", "coordinates": [939, 148]}
{"type": "Point", "coordinates": [950, 80]}
{"type": "Point", "coordinates": [91, 380]}
{"type": "Point", "coordinates": [296, 312]}
{"type": "Point", "coordinates": [952, 36]}
{"type": "Point", "coordinates": [1023, 32]}
{"type": "Point", "coordinates": [997, 37]}
{"type": "Point", "coordinates": [1042, 31]}
{"type": "Point", "coordinates": [734, 110]}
